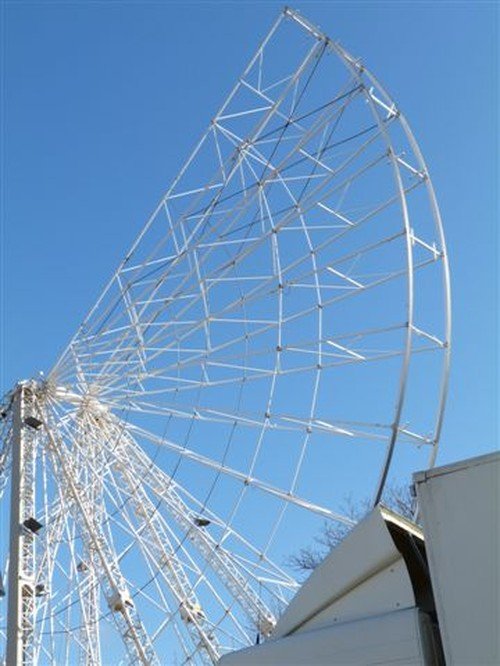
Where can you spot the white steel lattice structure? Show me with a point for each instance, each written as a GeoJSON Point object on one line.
{"type": "Point", "coordinates": [279, 330]}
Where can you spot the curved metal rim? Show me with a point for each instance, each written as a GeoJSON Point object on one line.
{"type": "Point", "coordinates": [355, 66]}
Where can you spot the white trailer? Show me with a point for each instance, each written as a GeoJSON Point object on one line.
{"type": "Point", "coordinates": [394, 593]}
{"type": "Point", "coordinates": [460, 506]}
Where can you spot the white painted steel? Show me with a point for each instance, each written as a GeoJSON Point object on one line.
{"type": "Point", "coordinates": [401, 637]}
{"type": "Point", "coordinates": [365, 575]}
{"type": "Point", "coordinates": [270, 323]}
{"type": "Point", "coordinates": [21, 579]}
{"type": "Point", "coordinates": [357, 607]}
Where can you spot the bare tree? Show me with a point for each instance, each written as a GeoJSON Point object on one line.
{"type": "Point", "coordinates": [398, 498]}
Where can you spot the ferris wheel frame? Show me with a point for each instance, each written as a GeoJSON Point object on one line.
{"type": "Point", "coordinates": [34, 400]}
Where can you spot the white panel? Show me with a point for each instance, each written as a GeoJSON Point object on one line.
{"type": "Point", "coordinates": [461, 516]}
{"type": "Point", "coordinates": [362, 556]}
{"type": "Point", "coordinates": [386, 591]}
{"type": "Point", "coordinates": [394, 638]}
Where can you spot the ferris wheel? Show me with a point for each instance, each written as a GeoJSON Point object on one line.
{"type": "Point", "coordinates": [277, 338]}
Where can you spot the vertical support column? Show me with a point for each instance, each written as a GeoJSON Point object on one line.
{"type": "Point", "coordinates": [90, 648]}
{"type": "Point", "coordinates": [21, 580]}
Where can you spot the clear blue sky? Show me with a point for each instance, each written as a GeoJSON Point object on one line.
{"type": "Point", "coordinates": [102, 102]}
